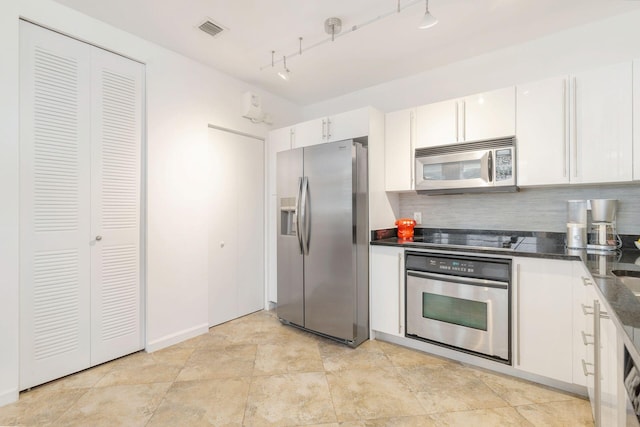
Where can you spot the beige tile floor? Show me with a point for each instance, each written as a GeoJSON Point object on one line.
{"type": "Point", "coordinates": [254, 371]}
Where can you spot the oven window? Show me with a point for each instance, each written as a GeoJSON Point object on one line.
{"type": "Point", "coordinates": [453, 171]}
{"type": "Point", "coordinates": [463, 312]}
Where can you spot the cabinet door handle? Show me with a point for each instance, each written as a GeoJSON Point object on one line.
{"type": "Point", "coordinates": [597, 363]}
{"type": "Point", "coordinates": [586, 281]}
{"type": "Point", "coordinates": [584, 338]}
{"type": "Point", "coordinates": [412, 121]}
{"type": "Point", "coordinates": [328, 128]}
{"type": "Point", "coordinates": [564, 127]}
{"type": "Point", "coordinates": [400, 284]}
{"type": "Point", "coordinates": [518, 312]}
{"type": "Point", "coordinates": [324, 131]}
{"type": "Point", "coordinates": [584, 368]}
{"type": "Point", "coordinates": [575, 128]}
{"type": "Point", "coordinates": [464, 120]}
{"type": "Point", "coordinates": [400, 280]}
{"type": "Point", "coordinates": [587, 310]}
{"type": "Point", "coordinates": [457, 107]}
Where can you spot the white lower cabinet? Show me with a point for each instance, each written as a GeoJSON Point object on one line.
{"type": "Point", "coordinates": [387, 289]}
{"type": "Point", "coordinates": [543, 322]}
{"type": "Point", "coordinates": [602, 360]}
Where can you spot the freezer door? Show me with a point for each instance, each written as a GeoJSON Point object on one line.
{"type": "Point", "coordinates": [330, 266]}
{"type": "Point", "coordinates": [290, 260]}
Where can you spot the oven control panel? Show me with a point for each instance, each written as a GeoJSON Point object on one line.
{"type": "Point", "coordinates": [477, 267]}
{"type": "Point", "coordinates": [452, 265]}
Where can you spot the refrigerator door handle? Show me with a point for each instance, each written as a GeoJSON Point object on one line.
{"type": "Point", "coordinates": [305, 229]}
{"type": "Point", "coordinates": [299, 216]}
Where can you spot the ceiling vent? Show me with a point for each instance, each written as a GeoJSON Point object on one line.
{"type": "Point", "coordinates": [211, 28]}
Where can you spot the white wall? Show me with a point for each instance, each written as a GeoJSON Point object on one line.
{"type": "Point", "coordinates": [183, 96]}
{"type": "Point", "coordinates": [608, 41]}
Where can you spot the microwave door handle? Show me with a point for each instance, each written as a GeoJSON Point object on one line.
{"type": "Point", "coordinates": [490, 166]}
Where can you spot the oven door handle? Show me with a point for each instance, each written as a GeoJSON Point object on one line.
{"type": "Point", "coordinates": [462, 280]}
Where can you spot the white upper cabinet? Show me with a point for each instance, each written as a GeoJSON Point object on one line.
{"type": "Point", "coordinates": [576, 129]}
{"type": "Point", "coordinates": [437, 124]}
{"type": "Point", "coordinates": [399, 139]}
{"type": "Point", "coordinates": [472, 118]}
{"type": "Point", "coordinates": [601, 143]}
{"type": "Point", "coordinates": [351, 124]}
{"type": "Point", "coordinates": [636, 119]}
{"type": "Point", "coordinates": [489, 115]}
{"type": "Point", "coordinates": [543, 132]}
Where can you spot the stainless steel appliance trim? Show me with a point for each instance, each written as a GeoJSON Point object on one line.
{"type": "Point", "coordinates": [597, 361]}
{"type": "Point", "coordinates": [400, 278]}
{"type": "Point", "coordinates": [298, 216]}
{"type": "Point", "coordinates": [465, 147]}
{"type": "Point", "coordinates": [459, 279]}
{"type": "Point", "coordinates": [303, 227]}
{"type": "Point", "coordinates": [518, 312]}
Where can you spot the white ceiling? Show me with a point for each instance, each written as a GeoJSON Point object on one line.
{"type": "Point", "coordinates": [387, 49]}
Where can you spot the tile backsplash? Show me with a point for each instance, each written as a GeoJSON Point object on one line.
{"type": "Point", "coordinates": [530, 209]}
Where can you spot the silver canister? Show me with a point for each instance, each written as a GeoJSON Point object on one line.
{"type": "Point", "coordinates": [576, 235]}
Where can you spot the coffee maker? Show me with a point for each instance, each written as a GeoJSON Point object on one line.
{"type": "Point", "coordinates": [602, 225]}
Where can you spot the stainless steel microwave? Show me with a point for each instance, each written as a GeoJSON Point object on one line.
{"type": "Point", "coordinates": [470, 167]}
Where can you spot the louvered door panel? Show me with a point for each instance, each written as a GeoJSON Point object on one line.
{"type": "Point", "coordinates": [54, 208]}
{"type": "Point", "coordinates": [117, 133]}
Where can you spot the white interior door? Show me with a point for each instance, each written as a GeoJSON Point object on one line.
{"type": "Point", "coordinates": [116, 314]}
{"type": "Point", "coordinates": [54, 205]}
{"type": "Point", "coordinates": [81, 133]}
{"type": "Point", "coordinates": [236, 233]}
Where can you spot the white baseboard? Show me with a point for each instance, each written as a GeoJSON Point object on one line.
{"type": "Point", "coordinates": [176, 338]}
{"type": "Point", "coordinates": [479, 362]}
{"type": "Point", "coordinates": [8, 396]}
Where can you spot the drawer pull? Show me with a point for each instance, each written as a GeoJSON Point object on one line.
{"type": "Point", "coordinates": [586, 281]}
{"type": "Point", "coordinates": [584, 338]}
{"type": "Point", "coordinates": [587, 310]}
{"type": "Point", "coordinates": [584, 368]}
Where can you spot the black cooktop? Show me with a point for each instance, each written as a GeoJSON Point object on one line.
{"type": "Point", "coordinates": [465, 239]}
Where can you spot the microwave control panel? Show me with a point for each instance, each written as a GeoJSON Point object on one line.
{"type": "Point", "coordinates": [504, 164]}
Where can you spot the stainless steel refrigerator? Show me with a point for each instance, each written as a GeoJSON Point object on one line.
{"type": "Point", "coordinates": [323, 230]}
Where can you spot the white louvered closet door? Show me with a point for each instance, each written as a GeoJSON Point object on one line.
{"type": "Point", "coordinates": [81, 132]}
{"type": "Point", "coordinates": [117, 85]}
{"type": "Point", "coordinates": [54, 209]}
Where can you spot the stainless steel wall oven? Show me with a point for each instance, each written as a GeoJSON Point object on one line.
{"type": "Point", "coordinates": [460, 301]}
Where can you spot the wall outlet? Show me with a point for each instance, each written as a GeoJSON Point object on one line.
{"type": "Point", "coordinates": [417, 216]}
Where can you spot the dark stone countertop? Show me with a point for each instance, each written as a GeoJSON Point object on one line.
{"type": "Point", "coordinates": [617, 297]}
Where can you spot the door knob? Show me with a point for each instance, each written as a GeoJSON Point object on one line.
{"type": "Point", "coordinates": [98, 238]}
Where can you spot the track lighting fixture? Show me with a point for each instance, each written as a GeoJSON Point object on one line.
{"type": "Point", "coordinates": [333, 27]}
{"type": "Point", "coordinates": [428, 20]}
{"type": "Point", "coordinates": [285, 74]}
